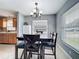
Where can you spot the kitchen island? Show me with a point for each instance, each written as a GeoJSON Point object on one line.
{"type": "Point", "coordinates": [8, 37]}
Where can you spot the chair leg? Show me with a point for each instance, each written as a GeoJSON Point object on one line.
{"type": "Point", "coordinates": [22, 54]}
{"type": "Point", "coordinates": [16, 52]}
{"type": "Point", "coordinates": [38, 55]}
{"type": "Point", "coordinates": [31, 54]}
{"type": "Point", "coordinates": [52, 49]}
{"type": "Point", "coordinates": [42, 53]}
{"type": "Point", "coordinates": [55, 56]}
{"type": "Point", "coordinates": [25, 54]}
{"type": "Point", "coordinates": [55, 52]}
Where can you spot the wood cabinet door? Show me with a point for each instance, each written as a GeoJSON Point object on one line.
{"type": "Point", "coordinates": [1, 38]}
{"type": "Point", "coordinates": [8, 38]}
{"type": "Point", "coordinates": [1, 23]}
{"type": "Point", "coordinates": [5, 38]}
{"type": "Point", "coordinates": [12, 38]}
{"type": "Point", "coordinates": [14, 22]}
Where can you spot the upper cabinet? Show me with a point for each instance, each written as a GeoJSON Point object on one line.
{"type": "Point", "coordinates": [14, 22]}
{"type": "Point", "coordinates": [1, 22]}
{"type": "Point", "coordinates": [7, 24]}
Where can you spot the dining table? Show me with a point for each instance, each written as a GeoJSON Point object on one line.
{"type": "Point", "coordinates": [42, 50]}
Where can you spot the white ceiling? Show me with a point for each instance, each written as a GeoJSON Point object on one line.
{"type": "Point", "coordinates": [26, 6]}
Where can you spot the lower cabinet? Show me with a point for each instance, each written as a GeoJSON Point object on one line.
{"type": "Point", "coordinates": [8, 38]}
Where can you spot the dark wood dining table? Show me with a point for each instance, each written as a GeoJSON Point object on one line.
{"type": "Point", "coordinates": [42, 41]}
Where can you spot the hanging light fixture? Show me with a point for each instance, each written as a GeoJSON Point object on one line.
{"type": "Point", "coordinates": [36, 12]}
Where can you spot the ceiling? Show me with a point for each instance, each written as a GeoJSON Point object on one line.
{"type": "Point", "coordinates": [26, 6]}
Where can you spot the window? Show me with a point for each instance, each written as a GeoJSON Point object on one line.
{"type": "Point", "coordinates": [40, 27]}
{"type": "Point", "coordinates": [71, 27]}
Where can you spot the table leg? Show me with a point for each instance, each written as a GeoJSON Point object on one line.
{"type": "Point", "coordinates": [42, 52]}
{"type": "Point", "coordinates": [16, 52]}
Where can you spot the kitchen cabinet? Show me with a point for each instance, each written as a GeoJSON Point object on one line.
{"type": "Point", "coordinates": [12, 38]}
{"type": "Point", "coordinates": [1, 23]}
{"type": "Point", "coordinates": [14, 22]}
{"type": "Point", "coordinates": [8, 30]}
{"type": "Point", "coordinates": [9, 38]}
{"type": "Point", "coordinates": [7, 24]}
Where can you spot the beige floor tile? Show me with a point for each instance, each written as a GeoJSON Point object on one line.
{"type": "Point", "coordinates": [8, 52]}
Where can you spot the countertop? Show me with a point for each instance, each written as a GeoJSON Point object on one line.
{"type": "Point", "coordinates": [9, 32]}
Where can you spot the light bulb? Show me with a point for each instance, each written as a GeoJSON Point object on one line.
{"type": "Point", "coordinates": [40, 12]}
{"type": "Point", "coordinates": [31, 13]}
{"type": "Point", "coordinates": [34, 10]}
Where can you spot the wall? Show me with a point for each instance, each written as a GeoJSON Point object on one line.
{"type": "Point", "coordinates": [7, 13]}
{"type": "Point", "coordinates": [20, 20]}
{"type": "Point", "coordinates": [59, 21]}
{"type": "Point", "coordinates": [51, 21]}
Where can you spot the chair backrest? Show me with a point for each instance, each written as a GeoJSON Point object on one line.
{"type": "Point", "coordinates": [54, 36]}
{"type": "Point", "coordinates": [20, 38]}
{"type": "Point", "coordinates": [31, 38]}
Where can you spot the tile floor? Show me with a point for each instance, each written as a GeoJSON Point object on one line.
{"type": "Point", "coordinates": [8, 52]}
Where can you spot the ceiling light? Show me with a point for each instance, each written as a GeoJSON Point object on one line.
{"type": "Point", "coordinates": [36, 12]}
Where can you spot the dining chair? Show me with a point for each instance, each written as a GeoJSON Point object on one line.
{"type": "Point", "coordinates": [30, 45]}
{"type": "Point", "coordinates": [52, 45]}
{"type": "Point", "coordinates": [19, 45]}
